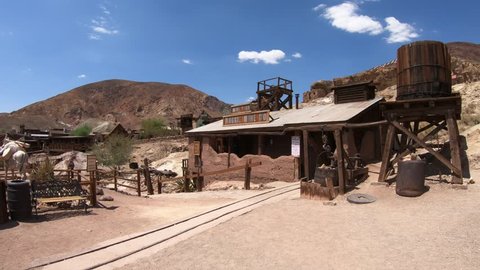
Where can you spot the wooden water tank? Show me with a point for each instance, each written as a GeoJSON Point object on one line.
{"type": "Point", "coordinates": [423, 70]}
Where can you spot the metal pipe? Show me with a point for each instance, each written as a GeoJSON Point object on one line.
{"type": "Point", "coordinates": [296, 101]}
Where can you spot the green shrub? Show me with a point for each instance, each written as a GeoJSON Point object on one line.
{"type": "Point", "coordinates": [155, 128]}
{"type": "Point", "coordinates": [83, 130]}
{"type": "Point", "coordinates": [115, 151]}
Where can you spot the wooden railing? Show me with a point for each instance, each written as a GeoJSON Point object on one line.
{"type": "Point", "coordinates": [91, 179]}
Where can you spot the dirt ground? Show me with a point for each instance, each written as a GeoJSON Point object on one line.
{"type": "Point", "coordinates": [60, 232]}
{"type": "Point", "coordinates": [438, 230]}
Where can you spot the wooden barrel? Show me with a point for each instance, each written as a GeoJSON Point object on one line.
{"type": "Point", "coordinates": [423, 70]}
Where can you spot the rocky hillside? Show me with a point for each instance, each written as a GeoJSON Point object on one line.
{"type": "Point", "coordinates": [465, 68]}
{"type": "Point", "coordinates": [127, 102]}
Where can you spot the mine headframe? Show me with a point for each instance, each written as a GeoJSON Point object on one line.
{"type": "Point", "coordinates": [274, 94]}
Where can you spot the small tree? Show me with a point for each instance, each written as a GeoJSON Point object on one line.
{"type": "Point", "coordinates": [153, 128]}
{"type": "Point", "coordinates": [83, 130]}
{"type": "Point", "coordinates": [115, 151]}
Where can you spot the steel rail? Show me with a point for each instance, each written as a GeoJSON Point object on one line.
{"type": "Point", "coordinates": [296, 187]}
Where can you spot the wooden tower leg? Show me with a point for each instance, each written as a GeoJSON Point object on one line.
{"type": "Point", "coordinates": [340, 161]}
{"type": "Point", "coordinates": [454, 147]}
{"type": "Point", "coordinates": [386, 154]}
{"type": "Point", "coordinates": [306, 167]}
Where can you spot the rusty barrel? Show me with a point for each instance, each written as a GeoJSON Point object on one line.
{"type": "Point", "coordinates": [19, 200]}
{"type": "Point", "coordinates": [423, 70]}
{"type": "Point", "coordinates": [411, 178]}
{"type": "Point", "coordinates": [3, 203]}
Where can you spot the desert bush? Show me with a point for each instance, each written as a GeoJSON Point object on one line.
{"type": "Point", "coordinates": [470, 116]}
{"type": "Point", "coordinates": [115, 151]}
{"type": "Point", "coordinates": [180, 185]}
{"type": "Point", "coordinates": [43, 171]}
{"type": "Point", "coordinates": [83, 130]}
{"type": "Point", "coordinates": [155, 128]}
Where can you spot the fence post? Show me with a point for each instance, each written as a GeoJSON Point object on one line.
{"type": "Point", "coordinates": [139, 191]}
{"type": "Point", "coordinates": [93, 189]}
{"type": "Point", "coordinates": [248, 171]}
{"type": "Point", "coordinates": [199, 180]}
{"type": "Point", "coordinates": [186, 182]}
{"type": "Point", "coordinates": [159, 182]}
{"type": "Point", "coordinates": [115, 179]}
{"type": "Point", "coordinates": [148, 180]}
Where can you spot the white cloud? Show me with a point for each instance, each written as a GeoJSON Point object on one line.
{"type": "Point", "coordinates": [288, 60]}
{"type": "Point", "coordinates": [345, 16]}
{"type": "Point", "coordinates": [399, 32]}
{"type": "Point", "coordinates": [250, 99]}
{"type": "Point", "coordinates": [319, 7]}
{"type": "Point", "coordinates": [187, 61]}
{"type": "Point", "coordinates": [297, 55]}
{"type": "Point", "coordinates": [82, 76]}
{"type": "Point", "coordinates": [105, 10]}
{"type": "Point", "coordinates": [267, 57]}
{"type": "Point", "coordinates": [102, 25]}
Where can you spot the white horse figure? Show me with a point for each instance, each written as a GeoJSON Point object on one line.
{"type": "Point", "coordinates": [15, 156]}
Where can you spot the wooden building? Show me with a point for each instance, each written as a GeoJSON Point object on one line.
{"type": "Point", "coordinates": [270, 137]}
{"type": "Point", "coordinates": [187, 122]}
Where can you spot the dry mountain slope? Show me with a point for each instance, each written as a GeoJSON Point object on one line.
{"type": "Point", "coordinates": [125, 101]}
{"type": "Point", "coordinates": [465, 66]}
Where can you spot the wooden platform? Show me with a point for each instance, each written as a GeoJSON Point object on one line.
{"type": "Point", "coordinates": [413, 118]}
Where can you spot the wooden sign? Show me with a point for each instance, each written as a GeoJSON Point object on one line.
{"type": "Point", "coordinates": [296, 146]}
{"type": "Point", "coordinates": [196, 148]}
{"type": "Point", "coordinates": [91, 163]}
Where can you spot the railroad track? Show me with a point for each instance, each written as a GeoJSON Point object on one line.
{"type": "Point", "coordinates": [132, 248]}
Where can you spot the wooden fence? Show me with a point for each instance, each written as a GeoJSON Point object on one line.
{"type": "Point", "coordinates": [92, 178]}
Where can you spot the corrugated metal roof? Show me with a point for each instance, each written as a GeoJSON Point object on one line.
{"type": "Point", "coordinates": [329, 113]}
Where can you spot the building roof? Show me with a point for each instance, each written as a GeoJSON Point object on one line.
{"type": "Point", "coordinates": [321, 114]}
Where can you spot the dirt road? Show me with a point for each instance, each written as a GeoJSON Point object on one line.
{"type": "Point", "coordinates": [438, 230]}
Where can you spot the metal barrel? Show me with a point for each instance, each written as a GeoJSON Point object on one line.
{"type": "Point", "coordinates": [3, 203]}
{"type": "Point", "coordinates": [411, 178]}
{"type": "Point", "coordinates": [19, 200]}
{"type": "Point", "coordinates": [423, 70]}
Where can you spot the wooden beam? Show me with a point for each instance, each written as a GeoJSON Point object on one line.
{"type": "Point", "coordinates": [248, 173]}
{"type": "Point", "coordinates": [229, 151]}
{"type": "Point", "coordinates": [260, 145]}
{"type": "Point", "coordinates": [416, 145]}
{"type": "Point", "coordinates": [139, 192]}
{"type": "Point", "coordinates": [454, 146]}
{"type": "Point", "coordinates": [441, 158]}
{"type": "Point", "coordinates": [340, 160]}
{"type": "Point", "coordinates": [93, 189]}
{"type": "Point", "coordinates": [306, 167]}
{"type": "Point", "coordinates": [386, 154]}
{"type": "Point", "coordinates": [148, 179]}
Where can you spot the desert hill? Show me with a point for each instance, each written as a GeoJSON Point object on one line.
{"type": "Point", "coordinates": [465, 68]}
{"type": "Point", "coordinates": [127, 102]}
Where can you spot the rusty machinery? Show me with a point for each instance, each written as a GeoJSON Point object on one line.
{"type": "Point", "coordinates": [327, 166]}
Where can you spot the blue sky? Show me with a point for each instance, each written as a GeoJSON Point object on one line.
{"type": "Point", "coordinates": [221, 47]}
